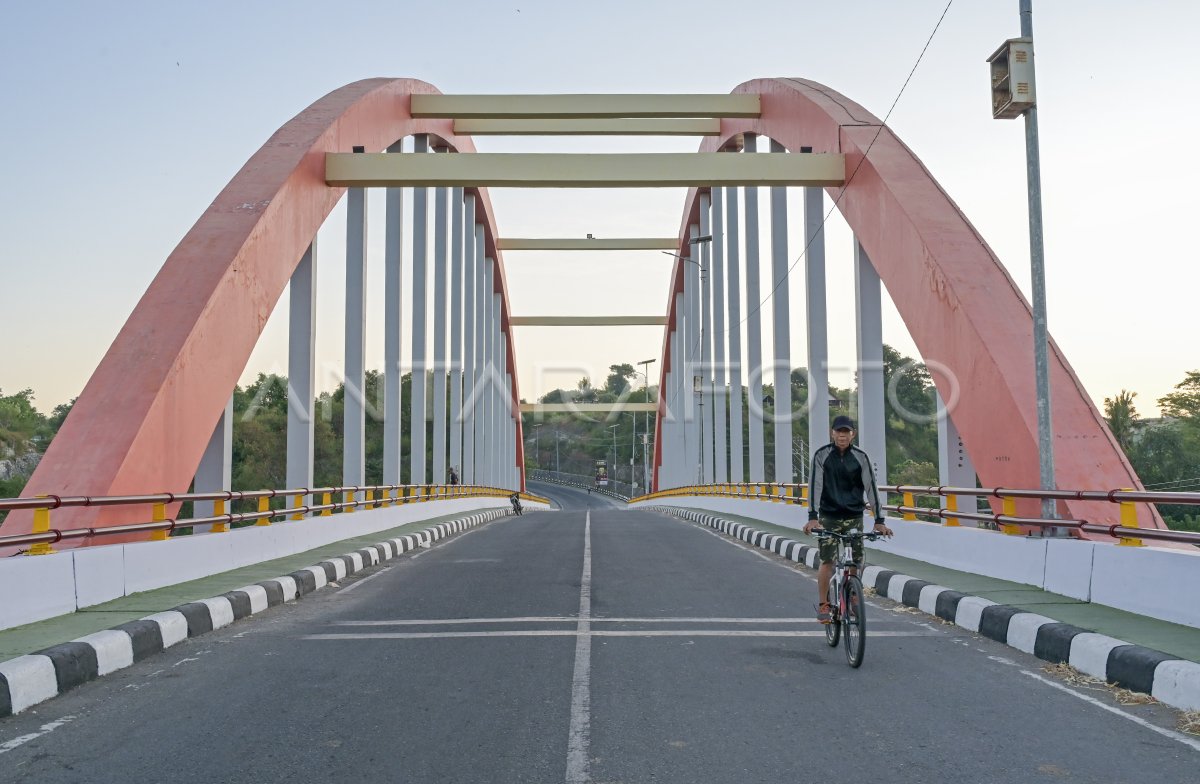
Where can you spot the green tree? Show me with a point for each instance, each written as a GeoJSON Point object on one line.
{"type": "Point", "coordinates": [1122, 417]}
{"type": "Point", "coordinates": [587, 393]}
{"type": "Point", "coordinates": [618, 379]}
{"type": "Point", "coordinates": [59, 415]}
{"type": "Point", "coordinates": [1184, 402]}
{"type": "Point", "coordinates": [22, 426]}
{"type": "Point", "coordinates": [910, 408]}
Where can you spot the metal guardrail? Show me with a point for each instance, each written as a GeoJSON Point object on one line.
{"type": "Point", "coordinates": [1007, 521]}
{"type": "Point", "coordinates": [621, 490]}
{"type": "Point", "coordinates": [160, 526]}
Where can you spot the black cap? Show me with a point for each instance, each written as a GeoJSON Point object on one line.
{"type": "Point", "coordinates": [843, 422]}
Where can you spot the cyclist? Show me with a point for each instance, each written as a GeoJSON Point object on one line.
{"type": "Point", "coordinates": [515, 498]}
{"type": "Point", "coordinates": [842, 478]}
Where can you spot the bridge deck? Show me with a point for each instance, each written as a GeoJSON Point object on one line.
{"type": "Point", "coordinates": [700, 663]}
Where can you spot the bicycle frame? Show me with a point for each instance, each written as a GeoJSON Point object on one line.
{"type": "Point", "coordinates": [843, 582]}
{"type": "Point", "coordinates": [842, 565]}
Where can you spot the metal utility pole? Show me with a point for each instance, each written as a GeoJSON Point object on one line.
{"type": "Point", "coordinates": [537, 454]}
{"type": "Point", "coordinates": [633, 452]}
{"type": "Point", "coordinates": [1014, 94]}
{"type": "Point", "coordinates": [646, 436]}
{"type": "Point", "coordinates": [613, 428]}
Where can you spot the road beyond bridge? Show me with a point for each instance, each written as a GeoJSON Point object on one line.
{"type": "Point", "coordinates": [587, 644]}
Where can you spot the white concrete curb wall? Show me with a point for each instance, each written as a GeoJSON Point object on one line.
{"type": "Point", "coordinates": [1127, 578]}
{"type": "Point", "coordinates": [33, 588]}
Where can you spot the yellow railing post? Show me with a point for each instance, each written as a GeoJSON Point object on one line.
{"type": "Point", "coordinates": [158, 515]}
{"type": "Point", "coordinates": [1008, 508]}
{"type": "Point", "coordinates": [1129, 520]}
{"type": "Point", "coordinates": [348, 497]}
{"type": "Point", "coordinates": [804, 496]}
{"type": "Point", "coordinates": [264, 505]}
{"type": "Point", "coordinates": [907, 500]}
{"type": "Point", "coordinates": [297, 502]}
{"type": "Point", "coordinates": [370, 498]}
{"type": "Point", "coordinates": [41, 524]}
{"type": "Point", "coordinates": [387, 497]}
{"type": "Point", "coordinates": [218, 510]}
{"type": "Point", "coordinates": [326, 500]}
{"type": "Point", "coordinates": [952, 506]}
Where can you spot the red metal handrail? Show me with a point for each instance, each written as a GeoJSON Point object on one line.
{"type": "Point", "coordinates": [54, 535]}
{"type": "Point", "coordinates": [1126, 533]}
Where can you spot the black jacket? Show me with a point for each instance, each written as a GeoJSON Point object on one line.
{"type": "Point", "coordinates": [840, 483]}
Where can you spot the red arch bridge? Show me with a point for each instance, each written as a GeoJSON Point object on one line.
{"type": "Point", "coordinates": [152, 429]}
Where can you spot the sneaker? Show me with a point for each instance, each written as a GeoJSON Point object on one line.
{"type": "Point", "coordinates": [825, 613]}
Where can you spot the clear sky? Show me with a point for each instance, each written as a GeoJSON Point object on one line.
{"type": "Point", "coordinates": [123, 120]}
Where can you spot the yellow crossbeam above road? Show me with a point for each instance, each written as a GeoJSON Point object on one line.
{"type": "Point", "coordinates": [581, 170]}
{"type": "Point", "coordinates": [588, 321]}
{"type": "Point", "coordinates": [588, 243]}
{"type": "Point", "coordinates": [589, 127]}
{"type": "Point", "coordinates": [584, 106]}
{"type": "Point", "coordinates": [585, 408]}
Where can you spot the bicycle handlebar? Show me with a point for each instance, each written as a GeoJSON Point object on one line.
{"type": "Point", "coordinates": [822, 533]}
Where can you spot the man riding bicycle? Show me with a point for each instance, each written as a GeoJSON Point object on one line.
{"type": "Point", "coordinates": [842, 476]}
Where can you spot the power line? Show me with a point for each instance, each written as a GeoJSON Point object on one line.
{"type": "Point", "coordinates": [863, 160]}
{"type": "Point", "coordinates": [1173, 484]}
{"type": "Point", "coordinates": [849, 180]}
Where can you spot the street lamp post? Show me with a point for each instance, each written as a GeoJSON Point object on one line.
{"type": "Point", "coordinates": [646, 435]}
{"type": "Point", "coordinates": [633, 455]}
{"type": "Point", "coordinates": [612, 474]}
{"type": "Point", "coordinates": [537, 455]}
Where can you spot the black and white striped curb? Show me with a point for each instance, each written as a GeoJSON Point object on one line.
{"type": "Point", "coordinates": [1167, 678]}
{"type": "Point", "coordinates": [28, 680]}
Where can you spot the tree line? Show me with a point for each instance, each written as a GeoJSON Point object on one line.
{"type": "Point", "coordinates": [1164, 451]}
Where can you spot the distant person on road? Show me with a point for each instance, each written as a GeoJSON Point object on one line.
{"type": "Point", "coordinates": [515, 499]}
{"type": "Point", "coordinates": [453, 476]}
{"type": "Point", "coordinates": [842, 478]}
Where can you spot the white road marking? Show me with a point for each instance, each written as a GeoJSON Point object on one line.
{"type": "Point", "coordinates": [564, 619]}
{"type": "Point", "coordinates": [597, 633]}
{"type": "Point", "coordinates": [1177, 736]}
{"type": "Point", "coordinates": [366, 579]}
{"type": "Point", "coordinates": [45, 729]}
{"type": "Point", "coordinates": [579, 735]}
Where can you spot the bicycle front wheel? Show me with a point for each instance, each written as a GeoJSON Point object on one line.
{"type": "Point", "coordinates": [855, 621]}
{"type": "Point", "coordinates": [833, 629]}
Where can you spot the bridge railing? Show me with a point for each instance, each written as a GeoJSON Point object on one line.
{"type": "Point", "coordinates": [616, 489]}
{"type": "Point", "coordinates": [1007, 521]}
{"type": "Point", "coordinates": [160, 526]}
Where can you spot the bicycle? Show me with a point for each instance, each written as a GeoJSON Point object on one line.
{"type": "Point", "coordinates": [847, 602]}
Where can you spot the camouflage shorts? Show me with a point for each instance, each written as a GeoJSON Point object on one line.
{"type": "Point", "coordinates": [828, 548]}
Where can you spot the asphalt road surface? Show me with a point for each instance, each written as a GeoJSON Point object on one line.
{"type": "Point", "coordinates": [586, 645]}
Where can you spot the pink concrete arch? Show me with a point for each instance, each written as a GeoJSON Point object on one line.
{"type": "Point", "coordinates": [959, 303]}
{"type": "Point", "coordinates": [143, 420]}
